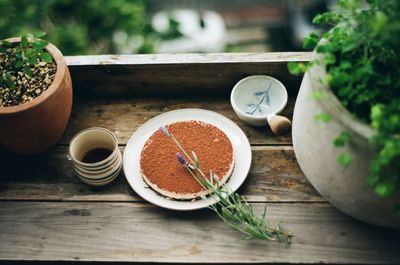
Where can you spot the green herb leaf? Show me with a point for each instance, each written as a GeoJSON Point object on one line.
{"type": "Point", "coordinates": [322, 48]}
{"type": "Point", "coordinates": [39, 45]}
{"type": "Point", "coordinates": [317, 95]}
{"type": "Point", "coordinates": [327, 17]}
{"type": "Point", "coordinates": [342, 139]}
{"type": "Point", "coordinates": [325, 117]}
{"type": "Point", "coordinates": [46, 57]}
{"type": "Point", "coordinates": [30, 53]}
{"type": "Point", "coordinates": [384, 189]}
{"type": "Point", "coordinates": [318, 19]}
{"type": "Point", "coordinates": [39, 34]}
{"type": "Point", "coordinates": [329, 59]}
{"type": "Point", "coordinates": [27, 71]}
{"type": "Point", "coordinates": [9, 81]}
{"type": "Point", "coordinates": [376, 115]}
{"type": "Point", "coordinates": [310, 41]}
{"type": "Point", "coordinates": [18, 64]}
{"type": "Point", "coordinates": [296, 68]}
{"type": "Point", "coordinates": [196, 159]}
{"type": "Point", "coordinates": [344, 159]}
{"type": "Point", "coordinates": [32, 60]}
{"type": "Point", "coordinates": [24, 41]}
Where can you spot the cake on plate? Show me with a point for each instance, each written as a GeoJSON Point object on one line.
{"type": "Point", "coordinates": [162, 171]}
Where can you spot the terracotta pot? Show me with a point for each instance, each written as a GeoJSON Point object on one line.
{"type": "Point", "coordinates": [344, 187]}
{"type": "Point", "coordinates": [35, 126]}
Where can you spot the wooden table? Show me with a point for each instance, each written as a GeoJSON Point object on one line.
{"type": "Point", "coordinates": [47, 214]}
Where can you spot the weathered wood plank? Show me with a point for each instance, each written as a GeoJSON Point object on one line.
{"type": "Point", "coordinates": [124, 115]}
{"type": "Point", "coordinates": [188, 58]}
{"type": "Point", "coordinates": [275, 176]}
{"type": "Point", "coordinates": [140, 232]}
{"type": "Point", "coordinates": [196, 74]}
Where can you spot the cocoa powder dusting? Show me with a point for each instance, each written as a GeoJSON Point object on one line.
{"type": "Point", "coordinates": [158, 160]}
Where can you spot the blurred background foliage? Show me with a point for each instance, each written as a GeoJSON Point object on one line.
{"type": "Point", "coordinates": [83, 27]}
{"type": "Point", "coordinates": [78, 26]}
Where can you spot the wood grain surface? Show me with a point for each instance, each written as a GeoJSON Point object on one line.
{"type": "Point", "coordinates": [190, 74]}
{"type": "Point", "coordinates": [124, 115]}
{"type": "Point", "coordinates": [106, 231]}
{"type": "Point", "coordinates": [274, 177]}
{"type": "Point", "coordinates": [47, 214]}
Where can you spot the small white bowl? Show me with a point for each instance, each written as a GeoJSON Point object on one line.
{"type": "Point", "coordinates": [256, 97]}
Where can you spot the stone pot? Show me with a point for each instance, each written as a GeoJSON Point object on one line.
{"type": "Point", "coordinates": [344, 187]}
{"type": "Point", "coordinates": [35, 126]}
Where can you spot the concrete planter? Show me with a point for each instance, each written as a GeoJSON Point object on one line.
{"type": "Point", "coordinates": [344, 187]}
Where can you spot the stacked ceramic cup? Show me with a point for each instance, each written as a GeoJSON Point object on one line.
{"type": "Point", "coordinates": [95, 156]}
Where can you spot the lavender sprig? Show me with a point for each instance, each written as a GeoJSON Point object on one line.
{"type": "Point", "coordinates": [182, 160]}
{"type": "Point", "coordinates": [232, 208]}
{"type": "Point", "coordinates": [165, 131]}
{"type": "Point", "coordinates": [170, 135]}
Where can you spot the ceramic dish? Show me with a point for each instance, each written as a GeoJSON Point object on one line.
{"type": "Point", "coordinates": [131, 158]}
{"type": "Point", "coordinates": [256, 97]}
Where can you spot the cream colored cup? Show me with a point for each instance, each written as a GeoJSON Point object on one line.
{"type": "Point", "coordinates": [101, 172]}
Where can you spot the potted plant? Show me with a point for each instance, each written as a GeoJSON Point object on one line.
{"type": "Point", "coordinates": [346, 123]}
{"type": "Point", "coordinates": [35, 95]}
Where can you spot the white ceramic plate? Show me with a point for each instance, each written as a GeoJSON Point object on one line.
{"type": "Point", "coordinates": [241, 149]}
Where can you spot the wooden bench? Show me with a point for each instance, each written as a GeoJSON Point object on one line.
{"type": "Point", "coordinates": [47, 214]}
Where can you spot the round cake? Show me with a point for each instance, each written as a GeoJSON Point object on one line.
{"type": "Point", "coordinates": [163, 172]}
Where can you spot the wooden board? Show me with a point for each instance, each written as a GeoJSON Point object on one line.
{"type": "Point", "coordinates": [47, 214]}
{"type": "Point", "coordinates": [124, 115]}
{"type": "Point", "coordinates": [78, 231]}
{"type": "Point", "coordinates": [183, 74]}
{"type": "Point", "coordinates": [274, 177]}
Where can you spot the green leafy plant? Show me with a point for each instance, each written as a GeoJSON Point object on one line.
{"type": "Point", "coordinates": [25, 54]}
{"type": "Point", "coordinates": [362, 57]}
{"type": "Point", "coordinates": [18, 61]}
{"type": "Point", "coordinates": [232, 208]}
{"type": "Point", "coordinates": [77, 27]}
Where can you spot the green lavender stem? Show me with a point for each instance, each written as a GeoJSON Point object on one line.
{"type": "Point", "coordinates": [232, 208]}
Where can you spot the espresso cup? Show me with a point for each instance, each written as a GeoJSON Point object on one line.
{"type": "Point", "coordinates": [95, 156]}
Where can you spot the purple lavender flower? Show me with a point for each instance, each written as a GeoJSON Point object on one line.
{"type": "Point", "coordinates": [165, 131]}
{"type": "Point", "coordinates": [182, 160]}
